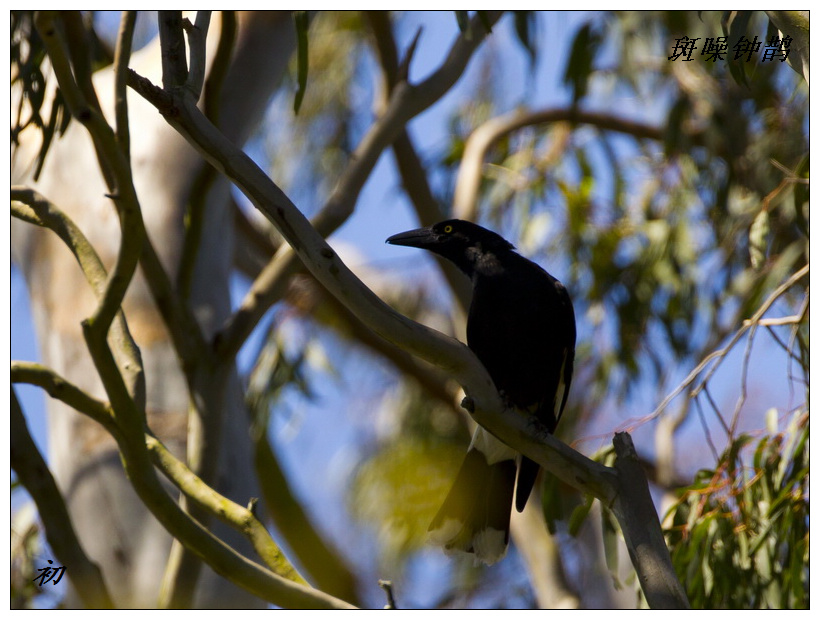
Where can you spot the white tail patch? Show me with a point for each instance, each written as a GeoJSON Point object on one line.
{"type": "Point", "coordinates": [490, 545]}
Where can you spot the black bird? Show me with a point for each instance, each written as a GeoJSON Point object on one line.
{"type": "Point", "coordinates": [521, 325]}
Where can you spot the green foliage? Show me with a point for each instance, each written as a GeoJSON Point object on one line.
{"type": "Point", "coordinates": [308, 152]}
{"type": "Point", "coordinates": [525, 24]}
{"type": "Point", "coordinates": [27, 56]}
{"type": "Point", "coordinates": [801, 196]}
{"type": "Point", "coordinates": [400, 486]}
{"type": "Point", "coordinates": [560, 502]}
{"type": "Point", "coordinates": [399, 489]}
{"type": "Point", "coordinates": [735, 24]}
{"type": "Point", "coordinates": [301, 22]}
{"type": "Point", "coordinates": [581, 60]}
{"type": "Point", "coordinates": [277, 371]}
{"type": "Point", "coordinates": [740, 534]}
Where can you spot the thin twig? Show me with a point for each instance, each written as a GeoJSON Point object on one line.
{"type": "Point", "coordinates": [795, 336]}
{"type": "Point", "coordinates": [721, 353]}
{"type": "Point", "coordinates": [744, 378]}
{"type": "Point", "coordinates": [705, 425]}
{"type": "Point", "coordinates": [174, 65]}
{"type": "Point", "coordinates": [122, 55]}
{"type": "Point", "coordinates": [197, 37]}
{"type": "Point", "coordinates": [387, 586]}
{"type": "Point", "coordinates": [794, 319]}
{"type": "Point", "coordinates": [716, 409]}
{"type": "Point", "coordinates": [403, 70]}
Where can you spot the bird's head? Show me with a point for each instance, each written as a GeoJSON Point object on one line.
{"type": "Point", "coordinates": [451, 237]}
{"type": "Point", "coordinates": [464, 243]}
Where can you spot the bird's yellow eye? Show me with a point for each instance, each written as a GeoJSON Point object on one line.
{"type": "Point", "coordinates": [448, 229]}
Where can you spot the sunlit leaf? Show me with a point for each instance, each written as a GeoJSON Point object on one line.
{"type": "Point", "coordinates": [462, 19]}
{"type": "Point", "coordinates": [758, 236]}
{"type": "Point", "coordinates": [801, 196]}
{"type": "Point", "coordinates": [302, 22]}
{"type": "Point", "coordinates": [579, 516]}
{"type": "Point", "coordinates": [581, 59]}
{"type": "Point", "coordinates": [524, 25]}
{"type": "Point", "coordinates": [735, 26]}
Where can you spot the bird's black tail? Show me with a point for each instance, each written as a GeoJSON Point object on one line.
{"type": "Point", "coordinates": [475, 517]}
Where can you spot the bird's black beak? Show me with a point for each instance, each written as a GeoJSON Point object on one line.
{"type": "Point", "coordinates": [419, 238]}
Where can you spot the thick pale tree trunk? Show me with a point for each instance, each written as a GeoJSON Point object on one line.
{"type": "Point", "coordinates": [114, 527]}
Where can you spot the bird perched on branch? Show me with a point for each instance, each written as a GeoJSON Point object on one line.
{"type": "Point", "coordinates": [521, 326]}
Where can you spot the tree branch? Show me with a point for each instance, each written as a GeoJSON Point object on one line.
{"type": "Point", "coordinates": [206, 388]}
{"type": "Point", "coordinates": [309, 245]}
{"type": "Point", "coordinates": [30, 206]}
{"type": "Point", "coordinates": [227, 511]}
{"type": "Point", "coordinates": [252, 250]}
{"type": "Point", "coordinates": [43, 213]}
{"type": "Point", "coordinates": [642, 532]}
{"type": "Point", "coordinates": [113, 164]}
{"type": "Point", "coordinates": [322, 304]}
{"type": "Point", "coordinates": [34, 474]}
{"type": "Point", "coordinates": [177, 472]}
{"type": "Point", "coordinates": [183, 568]}
{"type": "Point", "coordinates": [66, 392]}
{"type": "Point", "coordinates": [76, 39]}
{"type": "Point", "coordinates": [265, 584]}
{"type": "Point", "coordinates": [174, 65]}
{"type": "Point", "coordinates": [135, 246]}
{"type": "Point", "coordinates": [720, 354]}
{"type": "Point", "coordinates": [197, 34]}
{"type": "Point", "coordinates": [122, 55]}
